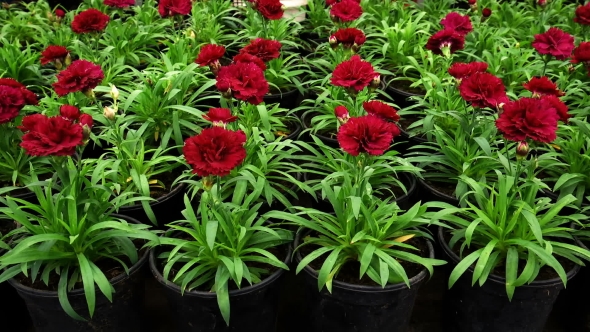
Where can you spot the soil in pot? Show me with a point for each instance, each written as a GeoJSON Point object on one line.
{"type": "Point", "coordinates": [253, 306]}
{"type": "Point", "coordinates": [357, 307]}
{"type": "Point", "coordinates": [470, 308]}
{"type": "Point", "coordinates": [288, 99]}
{"type": "Point", "coordinates": [122, 315]}
{"type": "Point", "coordinates": [401, 92]}
{"type": "Point", "coordinates": [437, 191]}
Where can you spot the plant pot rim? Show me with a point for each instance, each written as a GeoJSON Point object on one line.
{"type": "Point", "coordinates": [305, 117]}
{"type": "Point", "coordinates": [211, 295]}
{"type": "Point", "coordinates": [388, 86]}
{"type": "Point", "coordinates": [362, 288]}
{"type": "Point", "coordinates": [498, 279]}
{"type": "Point", "coordinates": [80, 291]}
{"type": "Point", "coordinates": [438, 193]}
{"type": "Point", "coordinates": [282, 93]}
{"type": "Point", "coordinates": [177, 190]}
{"type": "Point", "coordinates": [295, 133]}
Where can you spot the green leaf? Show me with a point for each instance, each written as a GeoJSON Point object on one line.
{"type": "Point", "coordinates": [511, 271]}
{"type": "Point", "coordinates": [463, 265]}
{"type": "Point", "coordinates": [366, 258]}
{"type": "Point", "coordinates": [88, 282]}
{"type": "Point", "coordinates": [326, 269]}
{"type": "Point", "coordinates": [211, 232]}
{"type": "Point", "coordinates": [311, 257]}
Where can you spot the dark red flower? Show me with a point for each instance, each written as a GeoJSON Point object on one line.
{"type": "Point", "coordinates": [560, 107]}
{"type": "Point", "coordinates": [486, 12]}
{"type": "Point", "coordinates": [354, 74]}
{"type": "Point", "coordinates": [346, 10]}
{"type": "Point", "coordinates": [583, 14]}
{"type": "Point", "coordinates": [381, 110]}
{"type": "Point", "coordinates": [90, 20]}
{"type": "Point", "coordinates": [81, 75]}
{"type": "Point", "coordinates": [457, 22]}
{"type": "Point", "coordinates": [582, 54]}
{"type": "Point", "coordinates": [445, 38]}
{"type": "Point", "coordinates": [265, 49]}
{"type": "Point", "coordinates": [369, 134]}
{"type": "Point", "coordinates": [330, 2]}
{"type": "Point", "coordinates": [210, 54]}
{"type": "Point", "coordinates": [86, 120]}
{"type": "Point", "coordinates": [341, 113]}
{"type": "Point", "coordinates": [245, 57]}
{"type": "Point", "coordinates": [554, 42]}
{"type": "Point", "coordinates": [219, 115]}
{"type": "Point", "coordinates": [349, 36]}
{"type": "Point", "coordinates": [29, 97]}
{"type": "Point", "coordinates": [11, 102]}
{"type": "Point", "coordinates": [69, 112]}
{"type": "Point", "coordinates": [528, 118]}
{"type": "Point", "coordinates": [215, 151]}
{"type": "Point", "coordinates": [50, 136]}
{"type": "Point", "coordinates": [542, 86]}
{"type": "Point", "coordinates": [119, 3]}
{"type": "Point", "coordinates": [54, 53]}
{"type": "Point", "coordinates": [460, 70]}
{"type": "Point", "coordinates": [245, 81]}
{"type": "Point", "coordinates": [270, 9]}
{"type": "Point", "coordinates": [60, 13]}
{"type": "Point", "coordinates": [174, 7]}
{"type": "Point", "coordinates": [471, 2]}
{"type": "Point", "coordinates": [483, 90]}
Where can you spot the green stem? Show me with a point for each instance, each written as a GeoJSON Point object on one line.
{"type": "Point", "coordinates": [507, 155]}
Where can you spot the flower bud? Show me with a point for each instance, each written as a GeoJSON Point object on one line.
{"type": "Point", "coordinates": [522, 150]}
{"type": "Point", "coordinates": [542, 3]}
{"type": "Point", "coordinates": [486, 12]}
{"type": "Point", "coordinates": [58, 64]}
{"type": "Point", "coordinates": [86, 133]}
{"type": "Point", "coordinates": [355, 48]}
{"type": "Point", "coordinates": [207, 183]}
{"type": "Point", "coordinates": [333, 42]}
{"type": "Point", "coordinates": [114, 92]}
{"type": "Point", "coordinates": [109, 113]}
{"type": "Point", "coordinates": [376, 82]}
{"type": "Point", "coordinates": [89, 93]}
{"type": "Point", "coordinates": [341, 114]}
{"type": "Point", "coordinates": [215, 67]}
{"type": "Point", "coordinates": [68, 60]}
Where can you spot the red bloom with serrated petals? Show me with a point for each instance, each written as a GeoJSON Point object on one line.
{"type": "Point", "coordinates": [265, 49]}
{"type": "Point", "coordinates": [54, 53]}
{"type": "Point", "coordinates": [457, 22]}
{"type": "Point", "coordinates": [245, 81]}
{"type": "Point", "coordinates": [582, 54]}
{"type": "Point", "coordinates": [460, 70]}
{"type": "Point", "coordinates": [341, 112]}
{"type": "Point", "coordinates": [583, 14]}
{"type": "Point", "coordinates": [270, 9]}
{"type": "Point", "coordinates": [209, 54]}
{"type": "Point", "coordinates": [81, 75]}
{"type": "Point", "coordinates": [11, 102]}
{"type": "Point", "coordinates": [354, 74]}
{"type": "Point", "coordinates": [119, 3]}
{"type": "Point", "coordinates": [249, 58]}
{"type": "Point", "coordinates": [381, 110]}
{"type": "Point", "coordinates": [50, 136]}
{"type": "Point", "coordinates": [29, 97]}
{"type": "Point", "coordinates": [215, 151]}
{"type": "Point", "coordinates": [349, 36]}
{"type": "Point", "coordinates": [367, 134]}
{"type": "Point", "coordinates": [90, 20]}
{"type": "Point", "coordinates": [168, 8]}
{"type": "Point", "coordinates": [445, 38]}
{"type": "Point", "coordinates": [346, 10]}
{"type": "Point", "coordinates": [86, 120]}
{"type": "Point", "coordinates": [528, 118]}
{"type": "Point", "coordinates": [542, 86]}
{"type": "Point", "coordinates": [60, 13]}
{"type": "Point", "coordinates": [219, 115]}
{"type": "Point", "coordinates": [560, 107]}
{"type": "Point", "coordinates": [69, 112]}
{"type": "Point", "coordinates": [554, 42]}
{"type": "Point", "coordinates": [483, 90]}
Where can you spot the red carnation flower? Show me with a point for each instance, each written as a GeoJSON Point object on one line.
{"type": "Point", "coordinates": [11, 102]}
{"type": "Point", "coordinates": [50, 136]}
{"type": "Point", "coordinates": [270, 9]}
{"type": "Point", "coordinates": [86, 120]}
{"type": "Point", "coordinates": [54, 54]}
{"type": "Point", "coordinates": [60, 13]}
{"type": "Point", "coordinates": [560, 107]}
{"type": "Point", "coordinates": [245, 81]}
{"type": "Point", "coordinates": [445, 38]}
{"type": "Point", "coordinates": [69, 112]}
{"type": "Point", "coordinates": [81, 75]}
{"type": "Point", "coordinates": [457, 22]}
{"type": "Point", "coordinates": [341, 113]}
{"type": "Point", "coordinates": [119, 3]}
{"type": "Point", "coordinates": [265, 49]}
{"type": "Point", "coordinates": [381, 110]}
{"type": "Point", "coordinates": [90, 20]}
{"type": "Point", "coordinates": [483, 90]}
{"type": "Point", "coordinates": [210, 54]}
{"type": "Point", "coordinates": [486, 12]}
{"type": "Point", "coordinates": [555, 42]}
{"type": "Point", "coordinates": [346, 10]}
{"type": "Point", "coordinates": [528, 118]}
{"type": "Point", "coordinates": [349, 37]}
{"type": "Point", "coordinates": [219, 115]}
{"type": "Point", "coordinates": [471, 2]}
{"type": "Point", "coordinates": [354, 74]}
{"type": "Point", "coordinates": [29, 97]}
{"type": "Point", "coordinates": [582, 54]}
{"type": "Point", "coordinates": [174, 7]}
{"type": "Point", "coordinates": [542, 86]}
{"type": "Point", "coordinates": [369, 134]}
{"type": "Point", "coordinates": [249, 58]}
{"type": "Point", "coordinates": [215, 151]}
{"type": "Point", "coordinates": [583, 14]}
{"type": "Point", "coordinates": [330, 2]}
{"type": "Point", "coordinates": [460, 70]}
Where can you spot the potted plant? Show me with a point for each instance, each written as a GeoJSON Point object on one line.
{"type": "Point", "coordinates": [70, 243]}
{"type": "Point", "coordinates": [206, 258]}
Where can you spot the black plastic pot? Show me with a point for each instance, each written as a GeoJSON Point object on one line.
{"type": "Point", "coordinates": [328, 141]}
{"type": "Point", "coordinates": [122, 315]}
{"type": "Point", "coordinates": [400, 97]}
{"type": "Point", "coordinates": [428, 193]}
{"type": "Point", "coordinates": [356, 308]}
{"type": "Point", "coordinates": [287, 99]}
{"type": "Point", "coordinates": [405, 142]}
{"type": "Point", "coordinates": [487, 309]}
{"type": "Point", "coordinates": [253, 307]}
{"type": "Point", "coordinates": [167, 208]}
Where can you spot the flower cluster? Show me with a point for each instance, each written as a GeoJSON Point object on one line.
{"type": "Point", "coordinates": [58, 55]}
{"type": "Point", "coordinates": [81, 75]}
{"type": "Point", "coordinates": [168, 8]}
{"type": "Point", "coordinates": [90, 20]}
{"type": "Point", "coordinates": [350, 38]}
{"type": "Point", "coordinates": [582, 55]}
{"type": "Point", "coordinates": [13, 97]}
{"type": "Point", "coordinates": [452, 37]}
